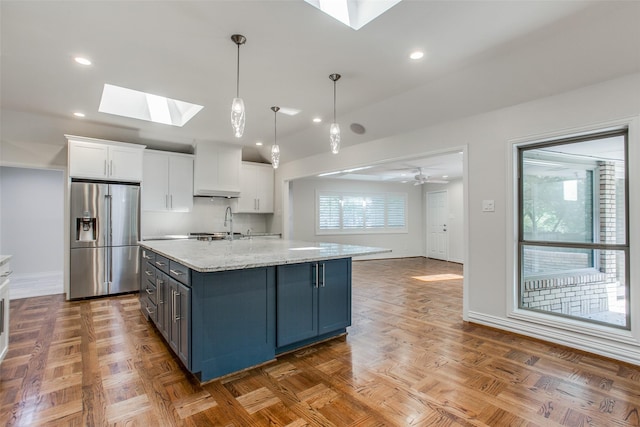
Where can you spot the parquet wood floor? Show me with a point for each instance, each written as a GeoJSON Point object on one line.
{"type": "Point", "coordinates": [408, 360]}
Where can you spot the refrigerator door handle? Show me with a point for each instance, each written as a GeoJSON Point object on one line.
{"type": "Point", "coordinates": [109, 241]}
{"type": "Point", "coordinates": [107, 271]}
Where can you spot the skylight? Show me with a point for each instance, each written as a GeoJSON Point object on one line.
{"type": "Point", "coordinates": [354, 13]}
{"type": "Point", "coordinates": [145, 106]}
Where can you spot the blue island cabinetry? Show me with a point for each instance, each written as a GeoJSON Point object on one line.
{"type": "Point", "coordinates": [314, 301]}
{"type": "Point", "coordinates": [222, 322]}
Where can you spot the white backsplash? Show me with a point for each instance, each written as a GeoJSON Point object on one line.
{"type": "Point", "coordinates": [207, 216]}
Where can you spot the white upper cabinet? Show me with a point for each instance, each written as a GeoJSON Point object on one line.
{"type": "Point", "coordinates": [217, 170]}
{"type": "Point", "coordinates": [104, 160]}
{"type": "Point", "coordinates": [167, 183]}
{"type": "Point", "coordinates": [256, 188]}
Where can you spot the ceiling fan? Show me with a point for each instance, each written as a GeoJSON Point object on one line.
{"type": "Point", "coordinates": [421, 178]}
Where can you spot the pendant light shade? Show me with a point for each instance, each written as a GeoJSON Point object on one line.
{"type": "Point", "coordinates": [275, 149]}
{"type": "Point", "coordinates": [237, 106]}
{"type": "Point", "coordinates": [334, 130]}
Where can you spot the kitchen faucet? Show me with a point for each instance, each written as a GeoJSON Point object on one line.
{"type": "Point", "coordinates": [228, 218]}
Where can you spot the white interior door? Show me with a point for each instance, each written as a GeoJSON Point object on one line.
{"type": "Point", "coordinates": [437, 236]}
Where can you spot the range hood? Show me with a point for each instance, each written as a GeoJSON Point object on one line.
{"type": "Point", "coordinates": [199, 192]}
{"type": "Point", "coordinates": [216, 171]}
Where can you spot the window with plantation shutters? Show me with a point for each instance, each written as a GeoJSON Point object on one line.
{"type": "Point", "coordinates": [396, 212]}
{"type": "Point", "coordinates": [344, 213]}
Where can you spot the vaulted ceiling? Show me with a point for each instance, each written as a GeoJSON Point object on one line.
{"type": "Point", "coordinates": [479, 56]}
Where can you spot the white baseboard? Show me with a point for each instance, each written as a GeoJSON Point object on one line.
{"type": "Point", "coordinates": [614, 349]}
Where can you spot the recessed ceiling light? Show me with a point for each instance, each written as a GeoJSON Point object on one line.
{"type": "Point", "coordinates": [317, 120]}
{"type": "Point", "coordinates": [78, 114]}
{"type": "Point", "coordinates": [82, 61]}
{"type": "Point", "coordinates": [259, 143]}
{"type": "Point", "coordinates": [416, 54]}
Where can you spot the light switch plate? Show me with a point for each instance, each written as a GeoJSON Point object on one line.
{"type": "Point", "coordinates": [488, 206]}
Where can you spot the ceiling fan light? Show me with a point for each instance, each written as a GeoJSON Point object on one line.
{"type": "Point", "coordinates": [334, 137]}
{"type": "Point", "coordinates": [237, 117]}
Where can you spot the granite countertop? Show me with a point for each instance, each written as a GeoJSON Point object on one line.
{"type": "Point", "coordinates": [221, 255]}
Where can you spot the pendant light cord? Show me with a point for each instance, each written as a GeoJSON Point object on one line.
{"type": "Point", "coordinates": [275, 128]}
{"type": "Point", "coordinates": [238, 75]}
{"type": "Point", "coordinates": [334, 101]}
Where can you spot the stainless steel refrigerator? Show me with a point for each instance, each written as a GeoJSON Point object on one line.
{"type": "Point", "coordinates": [105, 229]}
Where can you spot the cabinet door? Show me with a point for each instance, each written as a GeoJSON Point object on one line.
{"type": "Point", "coordinates": [155, 179]}
{"type": "Point", "coordinates": [264, 188]}
{"type": "Point", "coordinates": [184, 321]}
{"type": "Point", "coordinates": [88, 160]}
{"type": "Point", "coordinates": [180, 183]}
{"type": "Point", "coordinates": [334, 295]}
{"type": "Point", "coordinates": [247, 201]}
{"type": "Point", "coordinates": [4, 317]}
{"type": "Point", "coordinates": [173, 321]}
{"type": "Point", "coordinates": [125, 163]}
{"type": "Point", "coordinates": [162, 298]}
{"type": "Point", "coordinates": [297, 308]}
{"type": "Point", "coordinates": [229, 161]}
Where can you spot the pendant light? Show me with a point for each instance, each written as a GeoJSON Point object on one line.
{"type": "Point", "coordinates": [237, 106]}
{"type": "Point", "coordinates": [275, 149]}
{"type": "Point", "coordinates": [334, 130]}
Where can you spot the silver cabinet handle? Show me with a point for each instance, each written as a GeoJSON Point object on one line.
{"type": "Point", "coordinates": [148, 273]}
{"type": "Point", "coordinates": [171, 201]}
{"type": "Point", "coordinates": [145, 256]}
{"type": "Point", "coordinates": [176, 272]}
{"type": "Point", "coordinates": [176, 317]}
{"type": "Point", "coordinates": [111, 167]}
{"type": "Point", "coordinates": [315, 282]}
{"type": "Point", "coordinates": [149, 291]}
{"type": "Point", "coordinates": [149, 312]}
{"type": "Point", "coordinates": [322, 283]}
{"type": "Point", "coordinates": [6, 273]}
{"type": "Point", "coordinates": [160, 263]}
{"type": "Point", "coordinates": [105, 167]}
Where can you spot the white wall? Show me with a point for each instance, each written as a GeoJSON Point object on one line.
{"type": "Point", "coordinates": [455, 226]}
{"type": "Point", "coordinates": [402, 244]}
{"type": "Point", "coordinates": [31, 220]}
{"type": "Point", "coordinates": [488, 267]}
{"type": "Point", "coordinates": [207, 216]}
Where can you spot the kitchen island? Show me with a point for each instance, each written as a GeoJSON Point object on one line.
{"type": "Point", "coordinates": [225, 306]}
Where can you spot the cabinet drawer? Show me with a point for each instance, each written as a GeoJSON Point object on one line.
{"type": "Point", "coordinates": [151, 291]}
{"type": "Point", "coordinates": [162, 263]}
{"type": "Point", "coordinates": [149, 309]}
{"type": "Point", "coordinates": [180, 273]}
{"type": "Point", "coordinates": [148, 256]}
{"type": "Point", "coordinates": [148, 271]}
